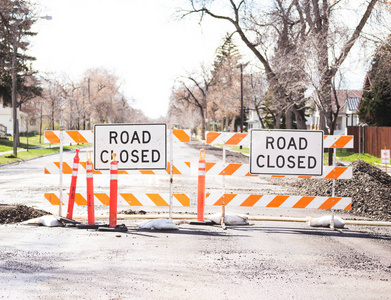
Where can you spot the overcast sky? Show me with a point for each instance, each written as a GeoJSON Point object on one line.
{"type": "Point", "coordinates": [138, 40]}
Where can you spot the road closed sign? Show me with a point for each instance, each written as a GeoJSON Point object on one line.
{"type": "Point", "coordinates": [137, 146]}
{"type": "Point", "coordinates": [286, 152]}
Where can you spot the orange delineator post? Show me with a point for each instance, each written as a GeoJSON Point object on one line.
{"type": "Point", "coordinates": [90, 190]}
{"type": "Point", "coordinates": [201, 186]}
{"type": "Point", "coordinates": [72, 190]}
{"type": "Point", "coordinates": [113, 192]}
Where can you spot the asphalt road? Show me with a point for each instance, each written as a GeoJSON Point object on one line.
{"type": "Point", "coordinates": [264, 260]}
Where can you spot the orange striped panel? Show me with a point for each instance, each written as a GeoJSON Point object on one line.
{"type": "Point", "coordinates": [211, 136]}
{"type": "Point", "coordinates": [251, 200]}
{"type": "Point", "coordinates": [175, 170]}
{"type": "Point", "coordinates": [336, 172]}
{"type": "Point", "coordinates": [183, 199]}
{"type": "Point", "coordinates": [303, 202]}
{"type": "Point", "coordinates": [208, 166]}
{"type": "Point", "coordinates": [181, 135]}
{"type": "Point", "coordinates": [277, 201]}
{"type": "Point", "coordinates": [349, 207]}
{"type": "Point", "coordinates": [236, 139]}
{"type": "Point", "coordinates": [187, 163]}
{"type": "Point", "coordinates": [66, 169]}
{"type": "Point", "coordinates": [131, 199]}
{"type": "Point", "coordinates": [226, 198]}
{"type": "Point", "coordinates": [329, 203]}
{"type": "Point", "coordinates": [341, 142]}
{"type": "Point", "coordinates": [252, 175]}
{"type": "Point", "coordinates": [122, 172]}
{"type": "Point", "coordinates": [147, 172]}
{"type": "Point", "coordinates": [52, 198]}
{"type": "Point", "coordinates": [51, 137]}
{"type": "Point", "coordinates": [103, 197]}
{"type": "Point", "coordinates": [157, 199]}
{"type": "Point", "coordinates": [278, 176]}
{"type": "Point", "coordinates": [230, 169]}
{"type": "Point", "coordinates": [76, 136]}
{"type": "Point", "coordinates": [80, 200]}
{"type": "Point", "coordinates": [307, 177]}
{"type": "Point", "coordinates": [47, 171]}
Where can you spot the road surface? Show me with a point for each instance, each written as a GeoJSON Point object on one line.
{"type": "Point", "coordinates": [264, 260]}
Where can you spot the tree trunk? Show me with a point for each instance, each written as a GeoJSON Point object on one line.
{"type": "Point", "coordinates": [300, 117]}
{"type": "Point", "coordinates": [288, 119]}
{"type": "Point", "coordinates": [277, 120]}
{"type": "Point", "coordinates": [232, 126]}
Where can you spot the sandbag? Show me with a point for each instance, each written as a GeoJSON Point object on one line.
{"type": "Point", "coordinates": [229, 219]}
{"type": "Point", "coordinates": [325, 221]}
{"type": "Point", "coordinates": [49, 221]}
{"type": "Point", "coordinates": [159, 224]}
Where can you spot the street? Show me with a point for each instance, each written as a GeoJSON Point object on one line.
{"type": "Point", "coordinates": [263, 260]}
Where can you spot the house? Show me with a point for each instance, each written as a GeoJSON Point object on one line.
{"type": "Point", "coordinates": [253, 121]}
{"type": "Point", "coordinates": [6, 120]}
{"type": "Point", "coordinates": [348, 101]}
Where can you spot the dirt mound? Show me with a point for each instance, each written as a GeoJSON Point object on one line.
{"type": "Point", "coordinates": [370, 190]}
{"type": "Point", "coordinates": [19, 213]}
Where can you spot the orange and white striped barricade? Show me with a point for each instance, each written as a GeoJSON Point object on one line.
{"type": "Point", "coordinates": [90, 190]}
{"type": "Point", "coordinates": [201, 187]}
{"type": "Point", "coordinates": [243, 139]}
{"type": "Point", "coordinates": [278, 201]}
{"type": "Point", "coordinates": [178, 168]}
{"type": "Point", "coordinates": [72, 189]}
{"type": "Point", "coordinates": [131, 199]}
{"type": "Point", "coordinates": [240, 170]}
{"type": "Point", "coordinates": [68, 136]}
{"type": "Point", "coordinates": [177, 135]}
{"type": "Point", "coordinates": [113, 192]}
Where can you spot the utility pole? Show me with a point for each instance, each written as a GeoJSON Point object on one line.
{"type": "Point", "coordinates": [241, 99]}
{"type": "Point", "coordinates": [13, 95]}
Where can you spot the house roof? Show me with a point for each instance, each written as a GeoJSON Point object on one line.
{"type": "Point", "coordinates": [346, 98]}
{"type": "Point", "coordinates": [353, 103]}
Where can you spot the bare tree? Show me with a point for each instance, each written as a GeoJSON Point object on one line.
{"type": "Point", "coordinates": [194, 89]}
{"type": "Point", "coordinates": [290, 31]}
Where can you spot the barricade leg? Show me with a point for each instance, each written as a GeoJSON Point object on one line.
{"type": "Point", "coordinates": [201, 187]}
{"type": "Point", "coordinates": [72, 190]}
{"type": "Point", "coordinates": [113, 192]}
{"type": "Point", "coordinates": [90, 191]}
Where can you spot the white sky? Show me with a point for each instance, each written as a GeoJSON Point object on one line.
{"type": "Point", "coordinates": [138, 40]}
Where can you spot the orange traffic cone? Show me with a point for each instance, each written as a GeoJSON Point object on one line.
{"type": "Point", "coordinates": [72, 190]}
{"type": "Point", "coordinates": [113, 192]}
{"type": "Point", "coordinates": [201, 186]}
{"type": "Point", "coordinates": [90, 190]}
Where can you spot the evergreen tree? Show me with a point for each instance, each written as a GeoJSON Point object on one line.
{"type": "Point", "coordinates": [16, 19]}
{"type": "Point", "coordinates": [375, 106]}
{"type": "Point", "coordinates": [226, 83]}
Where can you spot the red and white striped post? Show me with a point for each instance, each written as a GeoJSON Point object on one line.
{"type": "Point", "coordinates": [201, 186]}
{"type": "Point", "coordinates": [113, 192]}
{"type": "Point", "coordinates": [90, 190]}
{"type": "Point", "coordinates": [72, 190]}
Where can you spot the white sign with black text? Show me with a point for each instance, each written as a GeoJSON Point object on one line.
{"type": "Point", "coordinates": [137, 146]}
{"type": "Point", "coordinates": [286, 152]}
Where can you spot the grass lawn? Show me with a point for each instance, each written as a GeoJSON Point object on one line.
{"type": "Point", "coordinates": [33, 149]}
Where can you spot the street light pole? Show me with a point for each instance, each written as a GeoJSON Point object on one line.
{"type": "Point", "coordinates": [13, 93]}
{"type": "Point", "coordinates": [241, 99]}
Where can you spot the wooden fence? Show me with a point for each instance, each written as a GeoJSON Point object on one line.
{"type": "Point", "coordinates": [370, 139]}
